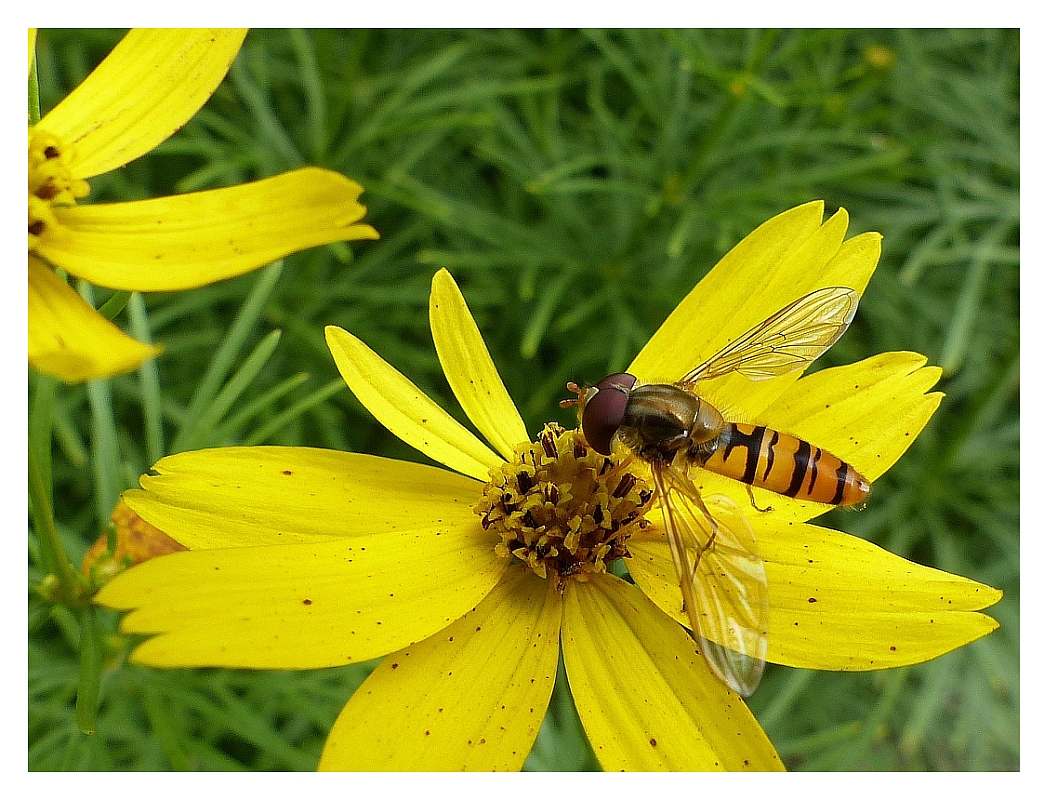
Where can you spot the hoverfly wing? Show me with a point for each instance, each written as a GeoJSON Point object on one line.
{"type": "Point", "coordinates": [787, 341]}
{"type": "Point", "coordinates": [721, 576]}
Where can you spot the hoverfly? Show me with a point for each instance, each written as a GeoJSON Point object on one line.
{"type": "Point", "coordinates": [673, 429]}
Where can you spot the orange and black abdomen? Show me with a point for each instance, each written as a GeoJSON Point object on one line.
{"type": "Point", "coordinates": [785, 465]}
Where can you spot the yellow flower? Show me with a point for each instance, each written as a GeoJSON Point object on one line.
{"type": "Point", "coordinates": [303, 558]}
{"type": "Point", "coordinates": [145, 90]}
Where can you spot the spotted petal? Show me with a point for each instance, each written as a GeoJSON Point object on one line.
{"type": "Point", "coordinates": [471, 697]}
{"type": "Point", "coordinates": [646, 698]}
{"type": "Point", "coordinates": [836, 601]}
{"type": "Point", "coordinates": [307, 605]}
{"type": "Point", "coordinates": [253, 496]}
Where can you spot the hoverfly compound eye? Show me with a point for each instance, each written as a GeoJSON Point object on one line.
{"type": "Point", "coordinates": [604, 410]}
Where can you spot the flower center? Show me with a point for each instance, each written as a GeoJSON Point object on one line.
{"type": "Point", "coordinates": [51, 183]}
{"type": "Point", "coordinates": [562, 508]}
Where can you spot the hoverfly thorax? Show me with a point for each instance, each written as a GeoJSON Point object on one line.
{"type": "Point", "coordinates": [661, 420]}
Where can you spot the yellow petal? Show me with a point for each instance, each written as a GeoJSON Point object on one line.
{"type": "Point", "coordinates": [646, 697]}
{"type": "Point", "coordinates": [250, 496]}
{"type": "Point", "coordinates": [783, 260]}
{"type": "Point", "coordinates": [471, 697]}
{"type": "Point", "coordinates": [189, 240]}
{"type": "Point", "coordinates": [304, 606]}
{"type": "Point", "coordinates": [32, 48]}
{"type": "Point", "coordinates": [853, 264]}
{"type": "Point", "coordinates": [867, 413]}
{"type": "Point", "coordinates": [70, 340]}
{"type": "Point", "coordinates": [469, 368]}
{"type": "Point", "coordinates": [838, 602]}
{"type": "Point", "coordinates": [696, 328]}
{"type": "Point", "coordinates": [405, 410]}
{"type": "Point", "coordinates": [146, 89]}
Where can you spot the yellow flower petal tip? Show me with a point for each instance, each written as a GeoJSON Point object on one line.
{"type": "Point", "coordinates": [469, 368]}
{"type": "Point", "coordinates": [194, 239]}
{"type": "Point", "coordinates": [70, 340]}
{"type": "Point", "coordinates": [148, 87]}
{"type": "Point", "coordinates": [405, 410]}
{"type": "Point", "coordinates": [785, 258]}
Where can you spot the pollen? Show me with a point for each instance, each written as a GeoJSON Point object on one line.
{"type": "Point", "coordinates": [562, 508]}
{"type": "Point", "coordinates": [51, 183]}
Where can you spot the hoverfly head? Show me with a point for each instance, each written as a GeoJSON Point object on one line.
{"type": "Point", "coordinates": [601, 408]}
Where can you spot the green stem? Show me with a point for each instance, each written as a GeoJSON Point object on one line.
{"type": "Point", "coordinates": [114, 305]}
{"type": "Point", "coordinates": [41, 423]}
{"type": "Point", "coordinates": [51, 550]}
{"type": "Point", "coordinates": [88, 691]}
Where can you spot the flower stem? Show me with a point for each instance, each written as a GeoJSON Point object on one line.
{"type": "Point", "coordinates": [69, 590]}
{"type": "Point", "coordinates": [90, 672]}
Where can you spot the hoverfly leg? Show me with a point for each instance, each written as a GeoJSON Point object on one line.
{"type": "Point", "coordinates": [753, 502]}
{"type": "Point", "coordinates": [713, 531]}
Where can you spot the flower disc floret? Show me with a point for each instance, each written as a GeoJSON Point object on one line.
{"type": "Point", "coordinates": [562, 508]}
{"type": "Point", "coordinates": [51, 183]}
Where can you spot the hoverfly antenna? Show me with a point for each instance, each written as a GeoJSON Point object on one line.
{"type": "Point", "coordinates": [571, 401]}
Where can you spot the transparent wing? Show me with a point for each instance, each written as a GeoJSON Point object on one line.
{"type": "Point", "coordinates": [788, 340]}
{"type": "Point", "coordinates": [721, 577]}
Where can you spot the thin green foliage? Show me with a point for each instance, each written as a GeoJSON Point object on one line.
{"type": "Point", "coordinates": [211, 399]}
{"type": "Point", "coordinates": [105, 449]}
{"type": "Point", "coordinates": [577, 184]}
{"type": "Point", "coordinates": [149, 380]}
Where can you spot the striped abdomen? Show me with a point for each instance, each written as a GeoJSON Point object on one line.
{"type": "Point", "coordinates": [785, 465]}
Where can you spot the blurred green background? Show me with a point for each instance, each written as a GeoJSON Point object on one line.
{"type": "Point", "coordinates": [577, 184]}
